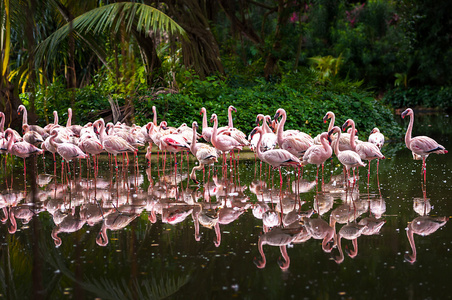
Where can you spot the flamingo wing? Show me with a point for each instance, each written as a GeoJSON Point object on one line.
{"type": "Point", "coordinates": [424, 145]}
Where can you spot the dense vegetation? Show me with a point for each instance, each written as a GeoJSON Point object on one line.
{"type": "Point", "coordinates": [308, 57]}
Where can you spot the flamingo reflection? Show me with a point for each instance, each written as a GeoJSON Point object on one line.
{"type": "Point", "coordinates": [277, 237]}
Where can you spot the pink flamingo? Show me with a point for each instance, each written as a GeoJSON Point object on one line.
{"type": "Point", "coordinates": [32, 137]}
{"type": "Point", "coordinates": [297, 144]}
{"type": "Point", "coordinates": [318, 154]}
{"type": "Point", "coordinates": [269, 138]}
{"type": "Point", "coordinates": [348, 158]}
{"type": "Point", "coordinates": [231, 131]}
{"type": "Point", "coordinates": [75, 129]}
{"type": "Point", "coordinates": [367, 151]}
{"type": "Point", "coordinates": [205, 154]}
{"type": "Point", "coordinates": [20, 149]}
{"type": "Point", "coordinates": [22, 109]}
{"type": "Point", "coordinates": [376, 138]}
{"type": "Point", "coordinates": [50, 126]}
{"type": "Point", "coordinates": [277, 158]}
{"type": "Point", "coordinates": [277, 237]}
{"type": "Point", "coordinates": [67, 151]}
{"type": "Point", "coordinates": [328, 116]}
{"type": "Point", "coordinates": [421, 145]}
{"type": "Point", "coordinates": [111, 143]}
{"type": "Point", "coordinates": [223, 143]}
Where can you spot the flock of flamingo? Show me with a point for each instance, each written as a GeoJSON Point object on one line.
{"type": "Point", "coordinates": [272, 144]}
{"type": "Point", "coordinates": [278, 149]}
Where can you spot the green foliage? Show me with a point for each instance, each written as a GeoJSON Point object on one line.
{"type": "Point", "coordinates": [428, 96]}
{"type": "Point", "coordinates": [305, 101]}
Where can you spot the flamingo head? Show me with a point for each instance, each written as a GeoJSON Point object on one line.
{"type": "Point", "coordinates": [346, 124]}
{"type": "Point", "coordinates": [334, 130]}
{"type": "Point", "coordinates": [407, 112]}
{"type": "Point", "coordinates": [328, 115]}
{"type": "Point", "coordinates": [203, 110]}
{"type": "Point", "coordinates": [255, 130]}
{"type": "Point", "coordinates": [279, 112]}
{"type": "Point", "coordinates": [232, 108]}
{"type": "Point", "coordinates": [20, 109]}
{"type": "Point", "coordinates": [194, 125]}
{"type": "Point", "coordinates": [213, 117]}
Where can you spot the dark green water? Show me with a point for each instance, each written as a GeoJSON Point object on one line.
{"type": "Point", "coordinates": [162, 238]}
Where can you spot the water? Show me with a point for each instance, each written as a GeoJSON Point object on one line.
{"type": "Point", "coordinates": [158, 242]}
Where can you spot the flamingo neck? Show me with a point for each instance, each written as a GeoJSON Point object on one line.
{"type": "Point", "coordinates": [55, 118]}
{"type": "Point", "coordinates": [352, 137]}
{"type": "Point", "coordinates": [154, 111]}
{"type": "Point", "coordinates": [265, 126]}
{"type": "Point", "coordinates": [69, 118]}
{"type": "Point", "coordinates": [331, 125]}
{"type": "Point", "coordinates": [258, 146]}
{"type": "Point", "coordinates": [408, 131]}
{"type": "Point", "coordinates": [280, 129]}
{"type": "Point", "coordinates": [336, 144]}
{"type": "Point", "coordinates": [341, 253]}
{"type": "Point", "coordinates": [325, 145]}
{"type": "Point", "coordinates": [25, 116]}
{"type": "Point", "coordinates": [410, 236]}
{"type": "Point", "coordinates": [263, 261]}
{"type": "Point", "coordinates": [204, 119]}
{"type": "Point", "coordinates": [193, 142]}
{"type": "Point", "coordinates": [230, 124]}
{"type": "Point", "coordinates": [214, 131]}
{"type": "Point", "coordinates": [284, 265]}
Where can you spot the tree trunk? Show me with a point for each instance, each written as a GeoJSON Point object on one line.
{"type": "Point", "coordinates": [200, 51]}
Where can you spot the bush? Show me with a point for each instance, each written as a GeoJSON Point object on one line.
{"type": "Point", "coordinates": [428, 96]}
{"type": "Point", "coordinates": [305, 100]}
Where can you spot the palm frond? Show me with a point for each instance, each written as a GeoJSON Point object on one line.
{"type": "Point", "coordinates": [110, 17]}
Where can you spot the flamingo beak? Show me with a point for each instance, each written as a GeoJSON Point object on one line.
{"type": "Point", "coordinates": [276, 116]}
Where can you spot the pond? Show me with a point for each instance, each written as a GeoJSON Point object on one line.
{"type": "Point", "coordinates": [142, 231]}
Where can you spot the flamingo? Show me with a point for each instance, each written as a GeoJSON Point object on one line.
{"type": "Point", "coordinates": [269, 139]}
{"type": "Point", "coordinates": [277, 237]}
{"type": "Point", "coordinates": [348, 158]}
{"type": "Point", "coordinates": [230, 130]}
{"type": "Point", "coordinates": [223, 143]}
{"type": "Point", "coordinates": [75, 129]}
{"type": "Point", "coordinates": [20, 149]}
{"type": "Point", "coordinates": [328, 116]}
{"type": "Point", "coordinates": [318, 154]}
{"type": "Point", "coordinates": [205, 154]}
{"type": "Point", "coordinates": [422, 225]}
{"type": "Point", "coordinates": [112, 144]}
{"type": "Point", "coordinates": [277, 158]}
{"type": "Point", "coordinates": [376, 138]}
{"type": "Point", "coordinates": [22, 109]}
{"type": "Point", "coordinates": [366, 150]}
{"type": "Point", "coordinates": [297, 144]}
{"type": "Point", "coordinates": [32, 137]}
{"type": "Point", "coordinates": [420, 145]}
{"type": "Point", "coordinates": [67, 151]}
{"type": "Point", "coordinates": [50, 126]}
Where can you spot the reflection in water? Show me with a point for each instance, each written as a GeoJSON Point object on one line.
{"type": "Point", "coordinates": [289, 215]}
{"type": "Point", "coordinates": [422, 225]}
{"type": "Point", "coordinates": [281, 237]}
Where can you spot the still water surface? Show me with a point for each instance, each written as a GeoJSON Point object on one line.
{"type": "Point", "coordinates": [141, 232]}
